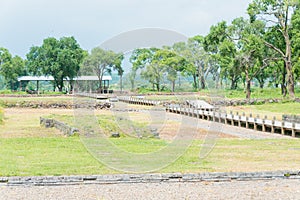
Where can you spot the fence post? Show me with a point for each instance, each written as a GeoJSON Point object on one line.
{"type": "Point", "coordinates": [232, 121]}
{"type": "Point", "coordinates": [247, 125]}
{"type": "Point", "coordinates": [293, 130]}
{"type": "Point", "coordinates": [263, 125]}
{"type": "Point", "coordinates": [282, 128]}
{"type": "Point", "coordinates": [272, 127]}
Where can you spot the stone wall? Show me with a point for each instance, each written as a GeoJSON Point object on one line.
{"type": "Point", "coordinates": [62, 105]}
{"type": "Point", "coordinates": [66, 129]}
{"type": "Point", "coordinates": [291, 118]}
{"type": "Point", "coordinates": [148, 178]}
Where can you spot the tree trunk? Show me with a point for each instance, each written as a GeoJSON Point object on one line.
{"type": "Point", "coordinates": [202, 82]}
{"type": "Point", "coordinates": [233, 85]}
{"type": "Point", "coordinates": [283, 84]}
{"type": "Point", "coordinates": [248, 85]}
{"type": "Point", "coordinates": [289, 67]}
{"type": "Point", "coordinates": [248, 89]}
{"type": "Point", "coordinates": [195, 84]}
{"type": "Point", "coordinates": [157, 87]}
{"type": "Point", "coordinates": [173, 86]}
{"type": "Point", "coordinates": [261, 83]}
{"type": "Point", "coordinates": [290, 80]}
{"type": "Point", "coordinates": [121, 83]}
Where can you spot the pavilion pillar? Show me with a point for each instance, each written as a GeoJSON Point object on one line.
{"type": "Point", "coordinates": [37, 87]}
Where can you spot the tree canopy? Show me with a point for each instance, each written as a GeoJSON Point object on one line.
{"type": "Point", "coordinates": [58, 58]}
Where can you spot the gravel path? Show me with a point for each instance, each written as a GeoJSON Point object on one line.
{"type": "Point", "coordinates": [271, 189]}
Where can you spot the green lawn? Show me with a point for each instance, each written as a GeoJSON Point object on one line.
{"type": "Point", "coordinates": [67, 156]}
{"type": "Point", "coordinates": [1, 115]}
{"type": "Point", "coordinates": [266, 93]}
{"type": "Point", "coordinates": [270, 109]}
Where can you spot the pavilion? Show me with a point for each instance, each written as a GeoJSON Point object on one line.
{"type": "Point", "coordinates": [37, 79]}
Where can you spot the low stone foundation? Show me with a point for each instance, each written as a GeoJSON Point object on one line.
{"type": "Point", "coordinates": [147, 178]}
{"type": "Point", "coordinates": [66, 129]}
{"type": "Point", "coordinates": [291, 118]}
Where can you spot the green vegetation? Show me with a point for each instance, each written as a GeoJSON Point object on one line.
{"type": "Point", "coordinates": [1, 115]}
{"type": "Point", "coordinates": [46, 156]}
{"type": "Point", "coordinates": [270, 109]}
{"type": "Point", "coordinates": [58, 58]}
{"type": "Point", "coordinates": [7, 101]}
{"type": "Point", "coordinates": [67, 156]}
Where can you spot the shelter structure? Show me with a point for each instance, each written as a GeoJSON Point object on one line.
{"type": "Point", "coordinates": [105, 81]}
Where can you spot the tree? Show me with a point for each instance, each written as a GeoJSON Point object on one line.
{"type": "Point", "coordinates": [223, 50]}
{"type": "Point", "coordinates": [199, 60]}
{"type": "Point", "coordinates": [139, 59]}
{"type": "Point", "coordinates": [296, 41]}
{"type": "Point", "coordinates": [58, 58]}
{"type": "Point", "coordinates": [251, 48]}
{"type": "Point", "coordinates": [11, 68]}
{"type": "Point", "coordinates": [278, 13]}
{"type": "Point", "coordinates": [274, 36]}
{"type": "Point", "coordinates": [102, 62]}
{"type": "Point", "coordinates": [171, 63]}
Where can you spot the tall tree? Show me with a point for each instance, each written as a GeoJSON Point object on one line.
{"type": "Point", "coordinates": [139, 59]}
{"type": "Point", "coordinates": [249, 38]}
{"type": "Point", "coordinates": [11, 68]}
{"type": "Point", "coordinates": [103, 62]}
{"type": "Point", "coordinates": [58, 58]}
{"type": "Point", "coordinates": [296, 41]}
{"type": "Point", "coordinates": [278, 13]}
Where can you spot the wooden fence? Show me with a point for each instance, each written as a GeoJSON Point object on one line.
{"type": "Point", "coordinates": [138, 101]}
{"type": "Point", "coordinates": [250, 122]}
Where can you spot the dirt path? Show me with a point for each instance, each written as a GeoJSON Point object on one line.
{"type": "Point", "coordinates": [273, 189]}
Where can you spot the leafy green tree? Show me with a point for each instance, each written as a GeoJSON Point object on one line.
{"type": "Point", "coordinates": [249, 37]}
{"type": "Point", "coordinates": [11, 68]}
{"type": "Point", "coordinates": [139, 59]}
{"type": "Point", "coordinates": [296, 41]}
{"type": "Point", "coordinates": [58, 58]}
{"type": "Point", "coordinates": [278, 13]}
{"type": "Point", "coordinates": [171, 63]}
{"type": "Point", "coordinates": [102, 62]}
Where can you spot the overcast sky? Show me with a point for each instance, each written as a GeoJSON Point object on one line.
{"type": "Point", "coordinates": [25, 23]}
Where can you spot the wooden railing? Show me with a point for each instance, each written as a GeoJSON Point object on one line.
{"type": "Point", "coordinates": [250, 122]}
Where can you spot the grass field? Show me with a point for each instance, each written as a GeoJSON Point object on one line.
{"type": "Point", "coordinates": [270, 110]}
{"type": "Point", "coordinates": [48, 99]}
{"type": "Point", "coordinates": [28, 149]}
{"type": "Point", "coordinates": [1, 115]}
{"type": "Point", "coordinates": [208, 94]}
{"type": "Point", "coordinates": [67, 156]}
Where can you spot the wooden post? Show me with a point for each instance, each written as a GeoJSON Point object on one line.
{"type": "Point", "coordinates": [239, 121]}
{"type": "Point", "coordinates": [272, 127]}
{"type": "Point", "coordinates": [247, 125]}
{"type": "Point", "coordinates": [263, 125]}
{"type": "Point", "coordinates": [225, 118]}
{"type": "Point", "coordinates": [214, 117]}
{"type": "Point", "coordinates": [293, 130]}
{"type": "Point", "coordinates": [232, 121]}
{"type": "Point", "coordinates": [254, 124]}
{"type": "Point", "coordinates": [282, 128]}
